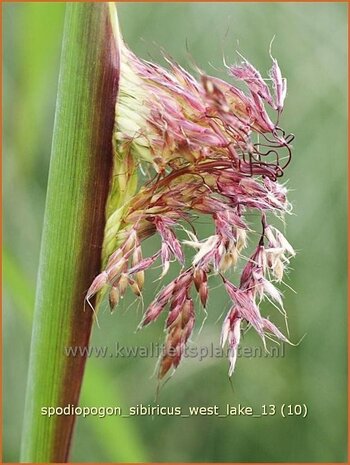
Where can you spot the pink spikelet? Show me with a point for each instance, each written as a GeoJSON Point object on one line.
{"type": "Point", "coordinates": [210, 149]}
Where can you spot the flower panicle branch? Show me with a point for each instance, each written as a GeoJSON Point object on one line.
{"type": "Point", "coordinates": [213, 150]}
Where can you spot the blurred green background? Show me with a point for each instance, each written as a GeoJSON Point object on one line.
{"type": "Point", "coordinates": [310, 45]}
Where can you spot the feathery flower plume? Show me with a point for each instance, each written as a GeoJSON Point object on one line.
{"type": "Point", "coordinates": [211, 149]}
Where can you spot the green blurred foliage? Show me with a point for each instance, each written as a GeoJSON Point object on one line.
{"type": "Point", "coordinates": [310, 45]}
